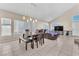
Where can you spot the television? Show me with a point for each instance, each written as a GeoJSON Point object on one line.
{"type": "Point", "coordinates": [58, 28]}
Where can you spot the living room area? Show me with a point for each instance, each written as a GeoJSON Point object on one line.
{"type": "Point", "coordinates": [39, 29]}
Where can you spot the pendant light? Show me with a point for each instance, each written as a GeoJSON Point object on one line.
{"type": "Point", "coordinates": [35, 20]}
{"type": "Point", "coordinates": [23, 17]}
{"type": "Point", "coordinates": [30, 19]}
{"type": "Point", "coordinates": [27, 20]}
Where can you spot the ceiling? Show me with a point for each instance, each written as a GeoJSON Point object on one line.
{"type": "Point", "coordinates": [41, 11]}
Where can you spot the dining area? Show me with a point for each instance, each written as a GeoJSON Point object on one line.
{"type": "Point", "coordinates": [36, 38]}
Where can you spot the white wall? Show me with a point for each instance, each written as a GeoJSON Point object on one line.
{"type": "Point", "coordinates": [42, 25]}
{"type": "Point", "coordinates": [66, 18]}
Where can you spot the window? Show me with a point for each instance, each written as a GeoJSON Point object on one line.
{"type": "Point", "coordinates": [45, 26]}
{"type": "Point", "coordinates": [75, 25]}
{"type": "Point", "coordinates": [5, 26]}
{"type": "Point", "coordinates": [19, 26]}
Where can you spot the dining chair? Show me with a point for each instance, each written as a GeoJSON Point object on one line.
{"type": "Point", "coordinates": [27, 39]}
{"type": "Point", "coordinates": [44, 32]}
{"type": "Point", "coordinates": [35, 38]}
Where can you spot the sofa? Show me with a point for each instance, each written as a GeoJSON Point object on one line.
{"type": "Point", "coordinates": [51, 35]}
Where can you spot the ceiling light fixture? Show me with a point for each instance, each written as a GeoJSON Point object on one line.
{"type": "Point", "coordinates": [27, 20]}
{"type": "Point", "coordinates": [24, 18]}
{"type": "Point", "coordinates": [30, 19]}
{"type": "Point", "coordinates": [35, 20]}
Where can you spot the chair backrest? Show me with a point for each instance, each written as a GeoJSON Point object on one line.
{"type": "Point", "coordinates": [26, 34]}
{"type": "Point", "coordinates": [39, 36]}
{"type": "Point", "coordinates": [41, 33]}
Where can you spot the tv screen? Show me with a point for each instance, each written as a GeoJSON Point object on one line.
{"type": "Point", "coordinates": [58, 28]}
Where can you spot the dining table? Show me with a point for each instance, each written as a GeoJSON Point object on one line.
{"type": "Point", "coordinates": [34, 39]}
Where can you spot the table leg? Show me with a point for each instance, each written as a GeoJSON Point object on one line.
{"type": "Point", "coordinates": [19, 40]}
{"type": "Point", "coordinates": [32, 45]}
{"type": "Point", "coordinates": [43, 40]}
{"type": "Point", "coordinates": [26, 46]}
{"type": "Point", "coordinates": [37, 44]}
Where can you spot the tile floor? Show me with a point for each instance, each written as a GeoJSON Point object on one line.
{"type": "Point", "coordinates": [63, 46]}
